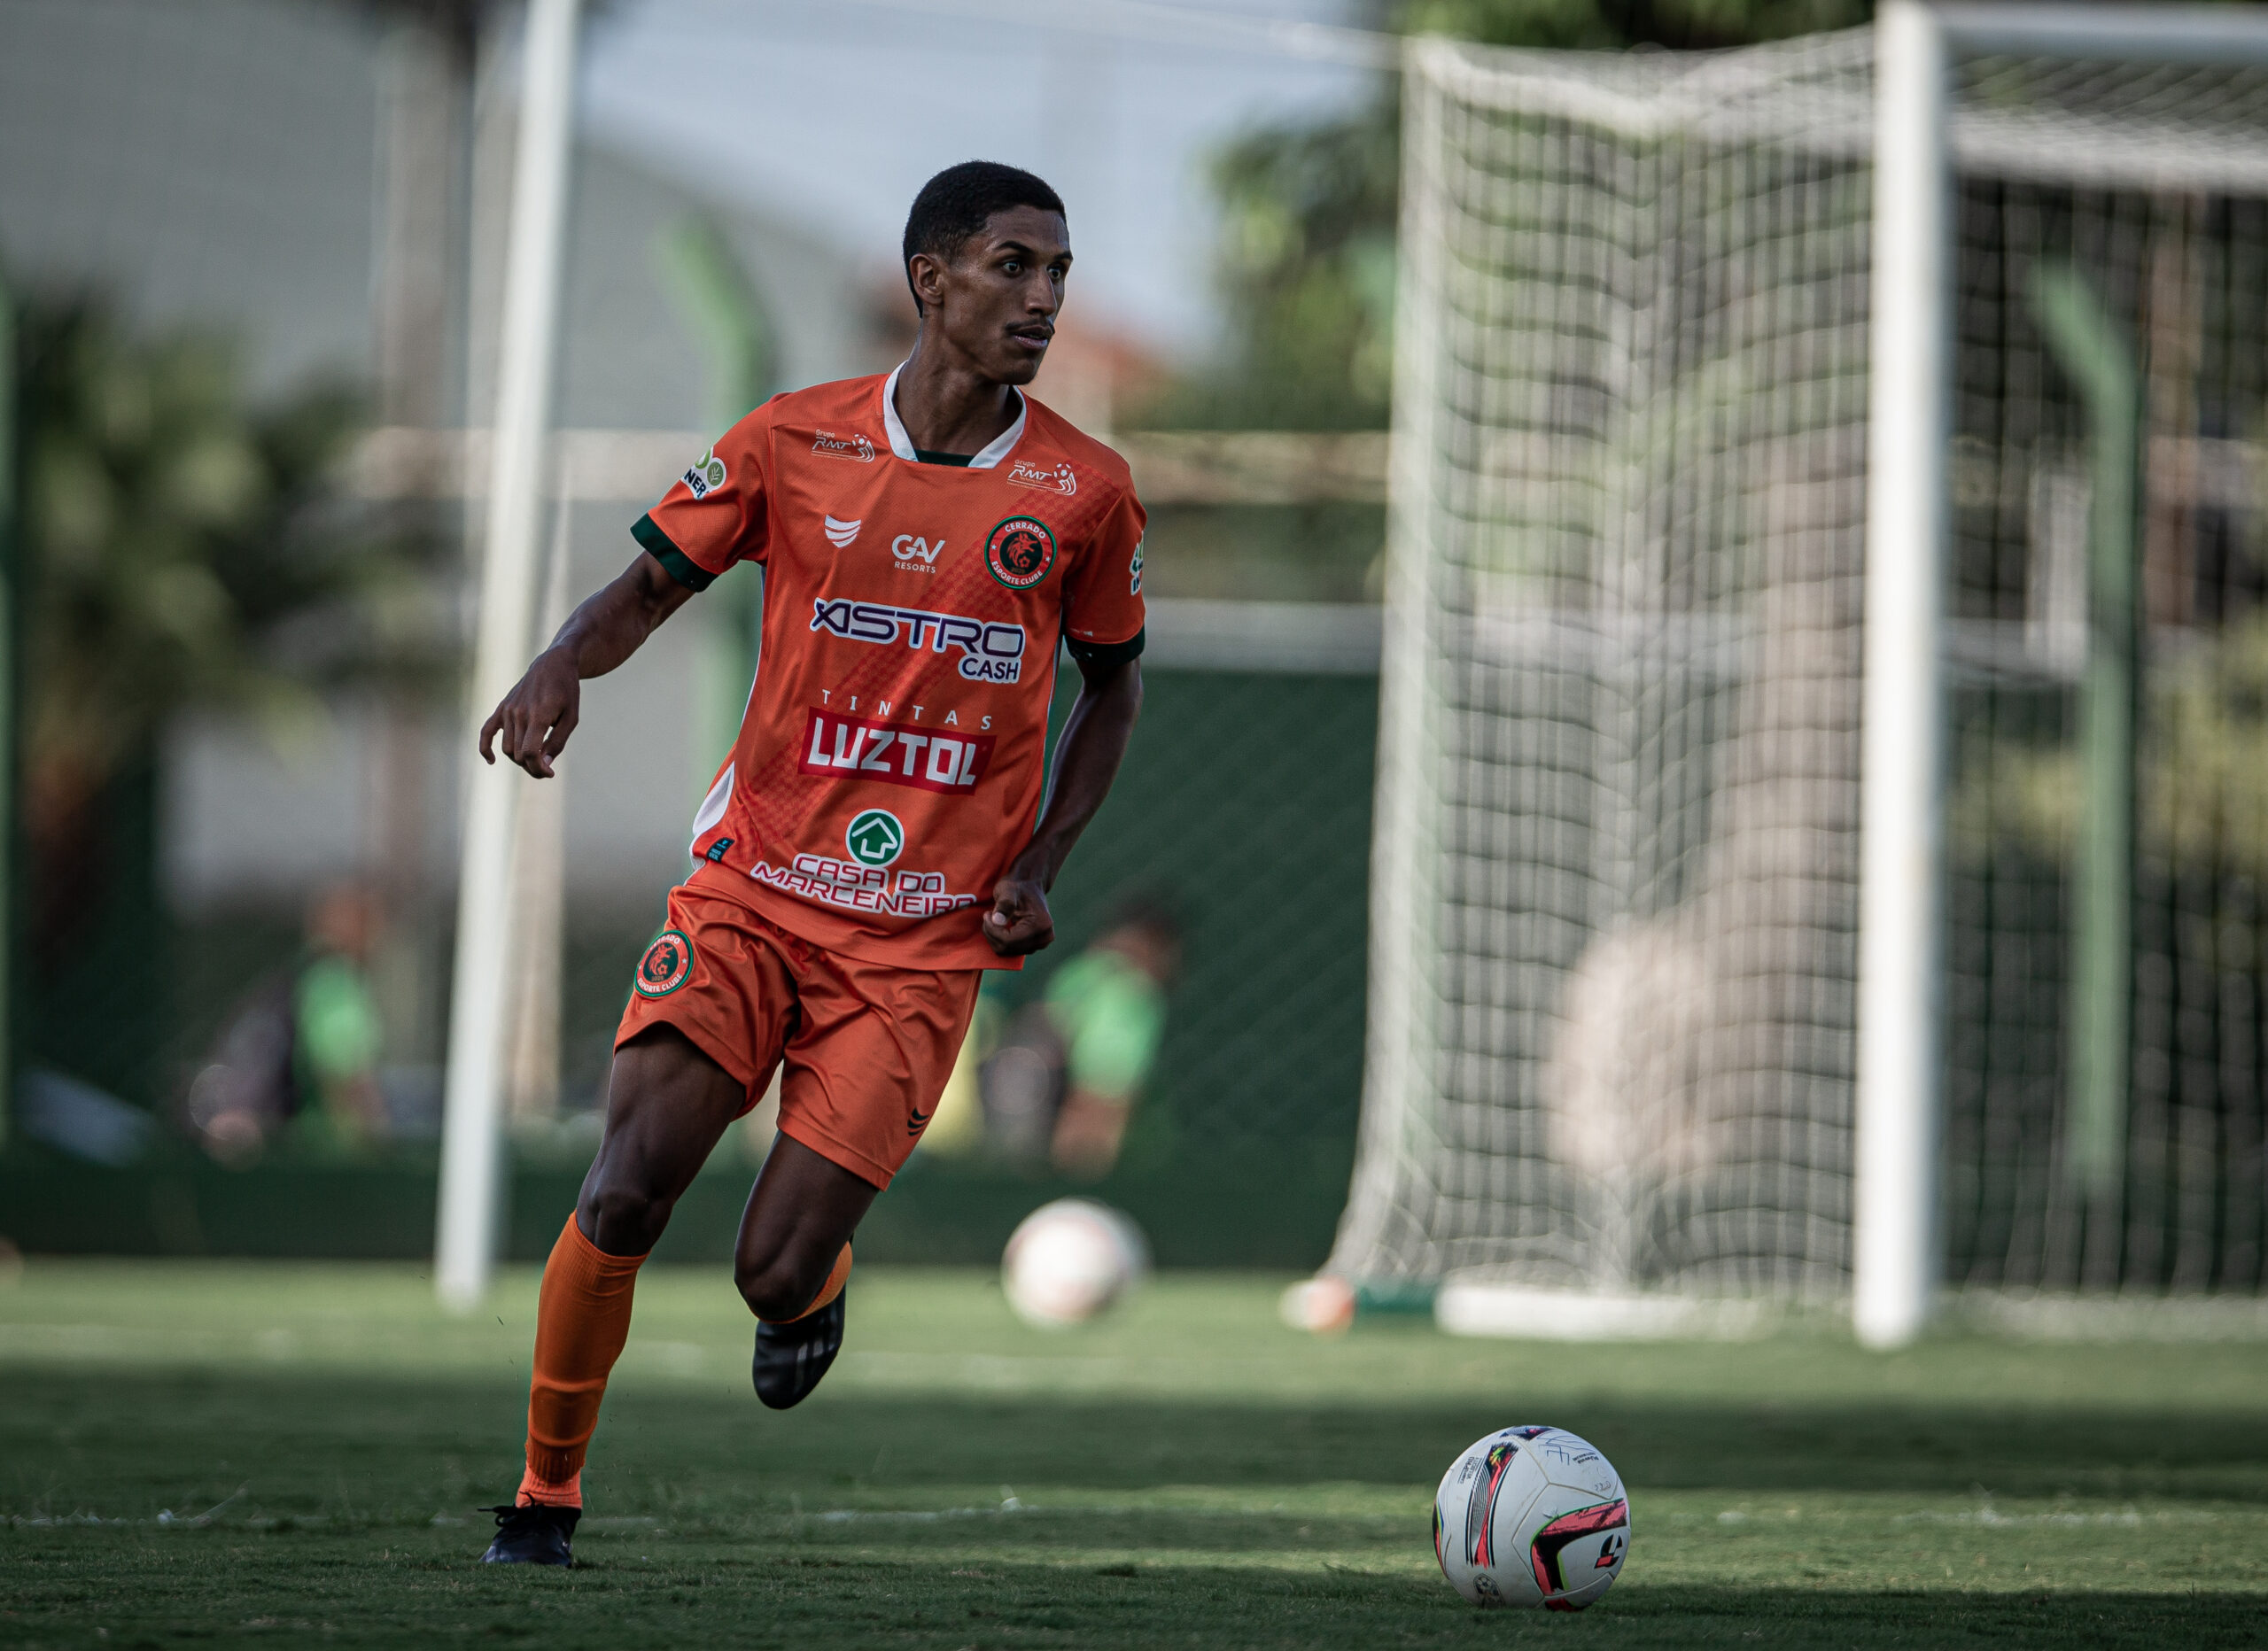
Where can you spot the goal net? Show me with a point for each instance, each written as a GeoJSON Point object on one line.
{"type": "Point", "coordinates": [1615, 882]}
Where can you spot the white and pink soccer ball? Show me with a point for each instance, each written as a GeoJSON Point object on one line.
{"type": "Point", "coordinates": [1533, 1516]}
{"type": "Point", "coordinates": [1069, 1260]}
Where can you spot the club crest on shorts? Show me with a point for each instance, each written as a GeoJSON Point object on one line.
{"type": "Point", "coordinates": [666, 965]}
{"type": "Point", "coordinates": [1018, 551]}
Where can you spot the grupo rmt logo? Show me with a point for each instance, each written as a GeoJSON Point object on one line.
{"type": "Point", "coordinates": [1056, 479]}
{"type": "Point", "coordinates": [990, 651]}
{"type": "Point", "coordinates": [1018, 551]}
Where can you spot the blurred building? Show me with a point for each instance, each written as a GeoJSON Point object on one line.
{"type": "Point", "coordinates": [242, 166]}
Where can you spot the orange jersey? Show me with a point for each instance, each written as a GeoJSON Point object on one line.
{"type": "Point", "coordinates": [888, 765]}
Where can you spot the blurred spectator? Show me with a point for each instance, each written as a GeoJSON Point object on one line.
{"type": "Point", "coordinates": [1064, 1080]}
{"type": "Point", "coordinates": [301, 1049]}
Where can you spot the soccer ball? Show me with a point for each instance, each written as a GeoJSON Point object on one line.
{"type": "Point", "coordinates": [1070, 1259]}
{"type": "Point", "coordinates": [1531, 1516]}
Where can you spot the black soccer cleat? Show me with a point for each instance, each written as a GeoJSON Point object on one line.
{"type": "Point", "coordinates": [791, 1357]}
{"type": "Point", "coordinates": [531, 1534]}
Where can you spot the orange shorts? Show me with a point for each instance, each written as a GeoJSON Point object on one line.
{"type": "Point", "coordinates": [868, 1048]}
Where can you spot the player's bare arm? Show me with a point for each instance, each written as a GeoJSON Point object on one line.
{"type": "Point", "coordinates": [543, 709]}
{"type": "Point", "coordinates": [535, 718]}
{"type": "Point", "coordinates": [1087, 756]}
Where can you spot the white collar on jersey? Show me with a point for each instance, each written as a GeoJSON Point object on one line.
{"type": "Point", "coordinates": [902, 445]}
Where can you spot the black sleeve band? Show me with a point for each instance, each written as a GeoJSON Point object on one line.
{"type": "Point", "coordinates": [1103, 656]}
{"type": "Point", "coordinates": [675, 561]}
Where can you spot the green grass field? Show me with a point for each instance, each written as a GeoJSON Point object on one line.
{"type": "Point", "coordinates": [289, 1453]}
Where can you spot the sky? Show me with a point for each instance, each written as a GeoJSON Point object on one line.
{"type": "Point", "coordinates": [835, 110]}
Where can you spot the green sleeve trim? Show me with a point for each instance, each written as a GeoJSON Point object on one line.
{"type": "Point", "coordinates": [1106, 654]}
{"type": "Point", "coordinates": [675, 561]}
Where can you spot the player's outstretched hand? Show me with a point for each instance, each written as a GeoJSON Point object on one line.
{"type": "Point", "coordinates": [1019, 922]}
{"type": "Point", "coordinates": [536, 715]}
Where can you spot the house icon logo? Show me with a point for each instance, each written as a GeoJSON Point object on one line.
{"type": "Point", "coordinates": [876, 837]}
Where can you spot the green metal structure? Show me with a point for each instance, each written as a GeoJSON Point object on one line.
{"type": "Point", "coordinates": [718, 302]}
{"type": "Point", "coordinates": [2093, 351]}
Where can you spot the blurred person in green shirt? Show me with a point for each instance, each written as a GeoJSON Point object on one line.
{"type": "Point", "coordinates": [1065, 1078]}
{"type": "Point", "coordinates": [300, 1052]}
{"type": "Point", "coordinates": [338, 1036]}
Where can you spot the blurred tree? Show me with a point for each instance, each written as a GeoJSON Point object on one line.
{"type": "Point", "coordinates": [2203, 787]}
{"type": "Point", "coordinates": [1308, 211]}
{"type": "Point", "coordinates": [1682, 25]}
{"type": "Point", "coordinates": [180, 548]}
{"type": "Point", "coordinates": [1307, 253]}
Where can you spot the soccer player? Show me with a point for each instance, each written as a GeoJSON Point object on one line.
{"type": "Point", "coordinates": [877, 837]}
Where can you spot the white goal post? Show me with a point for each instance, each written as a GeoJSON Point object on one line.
{"type": "Point", "coordinates": [1757, 520]}
{"type": "Point", "coordinates": [481, 982]}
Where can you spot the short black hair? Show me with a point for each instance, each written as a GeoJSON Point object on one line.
{"type": "Point", "coordinates": [959, 201]}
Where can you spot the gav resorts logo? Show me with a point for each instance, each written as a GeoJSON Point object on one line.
{"type": "Point", "coordinates": [706, 475]}
{"type": "Point", "coordinates": [1018, 551]}
{"type": "Point", "coordinates": [827, 445]}
{"type": "Point", "coordinates": [842, 534]}
{"type": "Point", "coordinates": [665, 967]}
{"type": "Point", "coordinates": [876, 837]}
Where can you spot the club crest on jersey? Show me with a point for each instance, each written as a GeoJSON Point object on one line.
{"type": "Point", "coordinates": [665, 967]}
{"type": "Point", "coordinates": [827, 445]}
{"type": "Point", "coordinates": [1058, 480]}
{"type": "Point", "coordinates": [704, 476]}
{"type": "Point", "coordinates": [1018, 551]}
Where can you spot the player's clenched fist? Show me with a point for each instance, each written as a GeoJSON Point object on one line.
{"type": "Point", "coordinates": [1019, 922]}
{"type": "Point", "coordinates": [535, 718]}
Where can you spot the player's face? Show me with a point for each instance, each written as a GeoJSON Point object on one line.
{"type": "Point", "coordinates": [997, 301]}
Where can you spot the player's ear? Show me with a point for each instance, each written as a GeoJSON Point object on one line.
{"type": "Point", "coordinates": [928, 277]}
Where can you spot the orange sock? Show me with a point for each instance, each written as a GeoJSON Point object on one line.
{"type": "Point", "coordinates": [837, 1276]}
{"type": "Point", "coordinates": [582, 1318]}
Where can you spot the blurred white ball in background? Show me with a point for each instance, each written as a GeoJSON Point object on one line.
{"type": "Point", "coordinates": [1322, 1306]}
{"type": "Point", "coordinates": [1070, 1259]}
